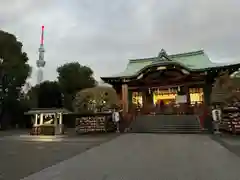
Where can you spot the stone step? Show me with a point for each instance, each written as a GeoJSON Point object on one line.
{"type": "Point", "coordinates": [166, 123]}
{"type": "Point", "coordinates": [172, 132]}
{"type": "Point", "coordinates": [136, 128]}
{"type": "Point", "coordinates": [169, 121]}
{"type": "Point", "coordinates": [179, 125]}
{"type": "Point", "coordinates": [166, 126]}
{"type": "Point", "coordinates": [162, 128]}
{"type": "Point", "coordinates": [167, 130]}
{"type": "Point", "coordinates": [174, 127]}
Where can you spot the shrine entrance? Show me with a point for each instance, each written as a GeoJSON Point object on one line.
{"type": "Point", "coordinates": [168, 90]}
{"type": "Point", "coordinates": [168, 101]}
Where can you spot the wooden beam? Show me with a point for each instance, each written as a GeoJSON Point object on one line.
{"type": "Point", "coordinates": [125, 98]}
{"type": "Point", "coordinates": [161, 86]}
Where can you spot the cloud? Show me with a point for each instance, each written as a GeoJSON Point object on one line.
{"type": "Point", "coordinates": [104, 34]}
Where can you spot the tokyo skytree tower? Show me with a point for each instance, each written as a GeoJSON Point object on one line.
{"type": "Point", "coordinates": [40, 62]}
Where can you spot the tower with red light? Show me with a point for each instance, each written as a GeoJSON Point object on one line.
{"type": "Point", "coordinates": [40, 62]}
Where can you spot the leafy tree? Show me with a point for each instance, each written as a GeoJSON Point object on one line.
{"type": "Point", "coordinates": [14, 70]}
{"type": "Point", "coordinates": [72, 78]}
{"type": "Point", "coordinates": [99, 98]}
{"type": "Point", "coordinates": [46, 95]}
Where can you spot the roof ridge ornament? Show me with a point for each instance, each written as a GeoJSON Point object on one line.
{"type": "Point", "coordinates": [163, 56]}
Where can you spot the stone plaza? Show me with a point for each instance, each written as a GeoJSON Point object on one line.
{"type": "Point", "coordinates": [149, 156]}
{"type": "Point", "coordinates": [22, 155]}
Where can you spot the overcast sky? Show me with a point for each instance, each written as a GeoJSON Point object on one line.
{"type": "Point", "coordinates": [104, 34]}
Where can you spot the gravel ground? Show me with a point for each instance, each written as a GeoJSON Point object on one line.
{"type": "Point", "coordinates": [19, 158]}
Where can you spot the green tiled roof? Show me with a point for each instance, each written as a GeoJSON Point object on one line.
{"type": "Point", "coordinates": [193, 61]}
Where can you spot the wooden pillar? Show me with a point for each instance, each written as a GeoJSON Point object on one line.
{"type": "Point", "coordinates": [56, 126]}
{"type": "Point", "coordinates": [186, 90]}
{"type": "Point", "coordinates": [41, 119]}
{"type": "Point", "coordinates": [149, 97]}
{"type": "Point", "coordinates": [36, 120]}
{"type": "Point", "coordinates": [130, 94]}
{"type": "Point", "coordinates": [207, 91]}
{"type": "Point", "coordinates": [125, 98]}
{"type": "Point", "coordinates": [60, 118]}
{"type": "Point", "coordinates": [55, 119]}
{"type": "Point", "coordinates": [61, 123]}
{"type": "Point", "coordinates": [144, 99]}
{"type": "Point", "coordinates": [187, 105]}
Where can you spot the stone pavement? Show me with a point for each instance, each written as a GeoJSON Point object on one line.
{"type": "Point", "coordinates": [23, 155]}
{"type": "Point", "coordinates": [11, 132]}
{"type": "Point", "coordinates": [149, 157]}
{"type": "Point", "coordinates": [231, 142]}
{"type": "Point", "coordinates": [56, 138]}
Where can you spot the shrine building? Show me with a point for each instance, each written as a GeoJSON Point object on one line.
{"type": "Point", "coordinates": [179, 81]}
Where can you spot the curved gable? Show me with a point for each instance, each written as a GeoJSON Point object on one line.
{"type": "Point", "coordinates": [137, 66]}
{"type": "Point", "coordinates": [190, 61]}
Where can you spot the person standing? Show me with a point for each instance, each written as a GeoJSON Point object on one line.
{"type": "Point", "coordinates": [116, 119]}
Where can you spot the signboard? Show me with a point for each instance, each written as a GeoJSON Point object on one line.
{"type": "Point", "coordinates": [181, 99]}
{"type": "Point", "coordinates": [216, 114]}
